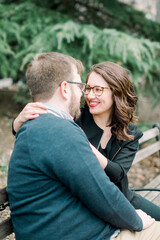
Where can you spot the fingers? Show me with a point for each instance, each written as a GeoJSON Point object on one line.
{"type": "Point", "coordinates": [37, 105]}
{"type": "Point", "coordinates": [30, 111]}
{"type": "Point", "coordinates": [146, 219]}
{"type": "Point", "coordinates": [148, 222]}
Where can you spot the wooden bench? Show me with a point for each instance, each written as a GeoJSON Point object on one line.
{"type": "Point", "coordinates": [6, 227]}
{"type": "Point", "coordinates": [151, 147]}
{"type": "Point", "coordinates": [150, 144]}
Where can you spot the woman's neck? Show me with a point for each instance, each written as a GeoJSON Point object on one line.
{"type": "Point", "coordinates": [102, 121]}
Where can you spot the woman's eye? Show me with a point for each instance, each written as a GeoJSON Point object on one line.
{"type": "Point", "coordinates": [98, 89]}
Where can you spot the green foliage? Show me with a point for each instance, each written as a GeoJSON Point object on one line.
{"type": "Point", "coordinates": [27, 29]}
{"type": "Point", "coordinates": [143, 126]}
{"type": "Point", "coordinates": [19, 24]}
{"type": "Point", "coordinates": [124, 18]}
{"type": "Point", "coordinates": [138, 55]}
{"type": "Point", "coordinates": [22, 97]}
{"type": "Point", "coordinates": [101, 13]}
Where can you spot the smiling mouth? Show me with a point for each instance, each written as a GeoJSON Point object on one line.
{"type": "Point", "coordinates": [93, 104]}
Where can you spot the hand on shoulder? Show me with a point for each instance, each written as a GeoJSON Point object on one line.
{"type": "Point", "coordinates": [30, 111]}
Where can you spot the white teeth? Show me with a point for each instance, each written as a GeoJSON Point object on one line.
{"type": "Point", "coordinates": [93, 104]}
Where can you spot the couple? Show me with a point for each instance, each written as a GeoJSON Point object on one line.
{"type": "Point", "coordinates": [56, 186]}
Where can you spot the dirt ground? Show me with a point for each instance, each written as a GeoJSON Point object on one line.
{"type": "Point", "coordinates": [8, 110]}
{"type": "Point", "coordinates": [139, 174]}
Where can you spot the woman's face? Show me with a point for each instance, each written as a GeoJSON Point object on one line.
{"type": "Point", "coordinates": [99, 105]}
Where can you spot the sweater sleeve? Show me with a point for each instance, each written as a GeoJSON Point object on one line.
{"type": "Point", "coordinates": [115, 172]}
{"type": "Point", "coordinates": [119, 167]}
{"type": "Point", "coordinates": [77, 168]}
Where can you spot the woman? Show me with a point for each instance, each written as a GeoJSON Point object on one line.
{"type": "Point", "coordinates": [106, 119]}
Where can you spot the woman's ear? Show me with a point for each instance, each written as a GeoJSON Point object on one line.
{"type": "Point", "coordinates": [64, 90]}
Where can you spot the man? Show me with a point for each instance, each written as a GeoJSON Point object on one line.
{"type": "Point", "coordinates": [56, 186]}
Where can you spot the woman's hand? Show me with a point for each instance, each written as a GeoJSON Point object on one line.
{"type": "Point", "coordinates": [146, 219]}
{"type": "Point", "coordinates": [30, 111]}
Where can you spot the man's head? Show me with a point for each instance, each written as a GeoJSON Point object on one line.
{"type": "Point", "coordinates": [45, 73]}
{"type": "Point", "coordinates": [50, 73]}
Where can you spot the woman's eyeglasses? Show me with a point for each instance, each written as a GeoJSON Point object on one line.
{"type": "Point", "coordinates": [97, 90]}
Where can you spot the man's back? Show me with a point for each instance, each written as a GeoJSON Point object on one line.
{"type": "Point", "coordinates": [53, 185]}
{"type": "Point", "coordinates": [43, 205]}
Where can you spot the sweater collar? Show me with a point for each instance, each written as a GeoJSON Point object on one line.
{"type": "Point", "coordinates": [58, 112]}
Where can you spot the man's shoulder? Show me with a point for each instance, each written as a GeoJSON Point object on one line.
{"type": "Point", "coordinates": [47, 120]}
{"type": "Point", "coordinates": [47, 123]}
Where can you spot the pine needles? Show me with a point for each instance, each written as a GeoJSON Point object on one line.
{"type": "Point", "coordinates": [26, 29]}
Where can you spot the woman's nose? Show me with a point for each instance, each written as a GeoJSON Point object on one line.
{"type": "Point", "coordinates": [91, 94]}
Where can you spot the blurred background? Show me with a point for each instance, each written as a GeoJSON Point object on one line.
{"type": "Point", "coordinates": [126, 32]}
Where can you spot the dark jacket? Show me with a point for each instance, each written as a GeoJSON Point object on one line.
{"type": "Point", "coordinates": [57, 189]}
{"type": "Point", "coordinates": [120, 154]}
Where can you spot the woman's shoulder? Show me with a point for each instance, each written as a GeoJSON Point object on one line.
{"type": "Point", "coordinates": [134, 130]}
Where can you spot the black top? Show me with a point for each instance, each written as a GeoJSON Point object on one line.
{"type": "Point", "coordinates": [120, 154]}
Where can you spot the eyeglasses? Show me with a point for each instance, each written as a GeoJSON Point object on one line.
{"type": "Point", "coordinates": [97, 90]}
{"type": "Point", "coordinates": [80, 84]}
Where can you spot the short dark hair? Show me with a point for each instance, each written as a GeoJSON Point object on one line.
{"type": "Point", "coordinates": [47, 71]}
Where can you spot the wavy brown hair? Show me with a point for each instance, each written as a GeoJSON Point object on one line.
{"type": "Point", "coordinates": [124, 97]}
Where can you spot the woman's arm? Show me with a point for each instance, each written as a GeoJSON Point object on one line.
{"type": "Point", "coordinates": [30, 111]}
{"type": "Point", "coordinates": [112, 169]}
{"type": "Point", "coordinates": [118, 167]}
{"type": "Point", "coordinates": [102, 159]}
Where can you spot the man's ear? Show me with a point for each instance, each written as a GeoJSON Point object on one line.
{"type": "Point", "coordinates": [64, 90]}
